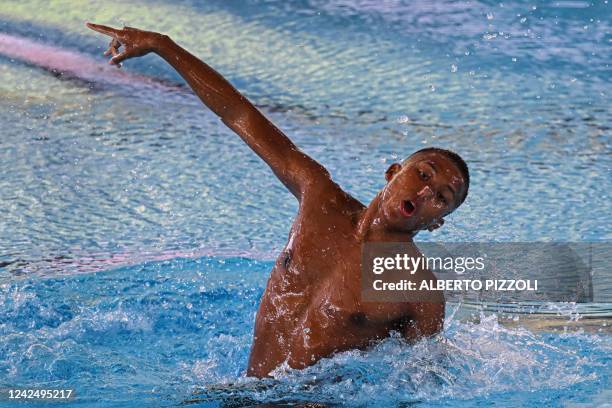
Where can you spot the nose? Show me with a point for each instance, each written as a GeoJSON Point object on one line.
{"type": "Point", "coordinates": [425, 193]}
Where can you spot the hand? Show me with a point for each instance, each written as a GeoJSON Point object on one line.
{"type": "Point", "coordinates": [136, 42]}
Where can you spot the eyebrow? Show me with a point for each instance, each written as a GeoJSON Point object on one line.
{"type": "Point", "coordinates": [448, 186]}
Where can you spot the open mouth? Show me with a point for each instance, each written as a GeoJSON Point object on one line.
{"type": "Point", "coordinates": [407, 208]}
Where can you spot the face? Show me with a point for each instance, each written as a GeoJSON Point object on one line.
{"type": "Point", "coordinates": [421, 192]}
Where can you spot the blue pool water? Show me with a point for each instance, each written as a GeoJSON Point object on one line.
{"type": "Point", "coordinates": [136, 231]}
{"type": "Point", "coordinates": [158, 332]}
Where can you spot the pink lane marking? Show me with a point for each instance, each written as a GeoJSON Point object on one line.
{"type": "Point", "coordinates": [73, 63]}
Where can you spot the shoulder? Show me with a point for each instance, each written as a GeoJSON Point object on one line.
{"type": "Point", "coordinates": [325, 194]}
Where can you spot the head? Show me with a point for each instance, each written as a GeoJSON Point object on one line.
{"type": "Point", "coordinates": [423, 189]}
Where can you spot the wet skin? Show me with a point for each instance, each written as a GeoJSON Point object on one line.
{"type": "Point", "coordinates": [312, 306]}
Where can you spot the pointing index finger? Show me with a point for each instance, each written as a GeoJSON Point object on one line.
{"type": "Point", "coordinates": [113, 32]}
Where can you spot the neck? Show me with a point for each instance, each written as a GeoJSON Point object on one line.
{"type": "Point", "coordinates": [373, 228]}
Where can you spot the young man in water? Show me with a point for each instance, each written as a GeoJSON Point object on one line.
{"type": "Point", "coordinates": [312, 305]}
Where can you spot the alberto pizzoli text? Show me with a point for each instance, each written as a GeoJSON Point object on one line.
{"type": "Point", "coordinates": [459, 285]}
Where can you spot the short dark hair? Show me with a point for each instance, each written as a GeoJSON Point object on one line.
{"type": "Point", "coordinates": [453, 157]}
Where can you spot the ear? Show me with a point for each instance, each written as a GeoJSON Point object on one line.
{"type": "Point", "coordinates": [436, 224]}
{"type": "Point", "coordinates": [392, 171]}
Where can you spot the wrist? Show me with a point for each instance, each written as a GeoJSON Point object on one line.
{"type": "Point", "coordinates": [160, 42]}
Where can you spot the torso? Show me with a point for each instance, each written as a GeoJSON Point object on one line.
{"type": "Point", "coordinates": [311, 307]}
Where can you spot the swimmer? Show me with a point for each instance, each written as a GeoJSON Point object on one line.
{"type": "Point", "coordinates": [312, 306]}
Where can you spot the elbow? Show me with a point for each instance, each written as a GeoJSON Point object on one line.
{"type": "Point", "coordinates": [428, 324]}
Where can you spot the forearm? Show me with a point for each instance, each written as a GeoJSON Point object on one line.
{"type": "Point", "coordinates": [214, 90]}
{"type": "Point", "coordinates": [293, 167]}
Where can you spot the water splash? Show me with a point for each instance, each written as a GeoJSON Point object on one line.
{"type": "Point", "coordinates": [181, 329]}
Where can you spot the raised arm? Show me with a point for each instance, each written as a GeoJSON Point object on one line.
{"type": "Point", "coordinates": [296, 170]}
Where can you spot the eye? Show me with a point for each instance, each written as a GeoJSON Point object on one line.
{"type": "Point", "coordinates": [424, 176]}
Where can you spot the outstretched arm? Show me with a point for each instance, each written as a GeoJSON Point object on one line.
{"type": "Point", "coordinates": [296, 170]}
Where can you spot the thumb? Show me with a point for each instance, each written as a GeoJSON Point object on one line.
{"type": "Point", "coordinates": [119, 58]}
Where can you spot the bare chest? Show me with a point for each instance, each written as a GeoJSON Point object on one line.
{"type": "Point", "coordinates": [317, 278]}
